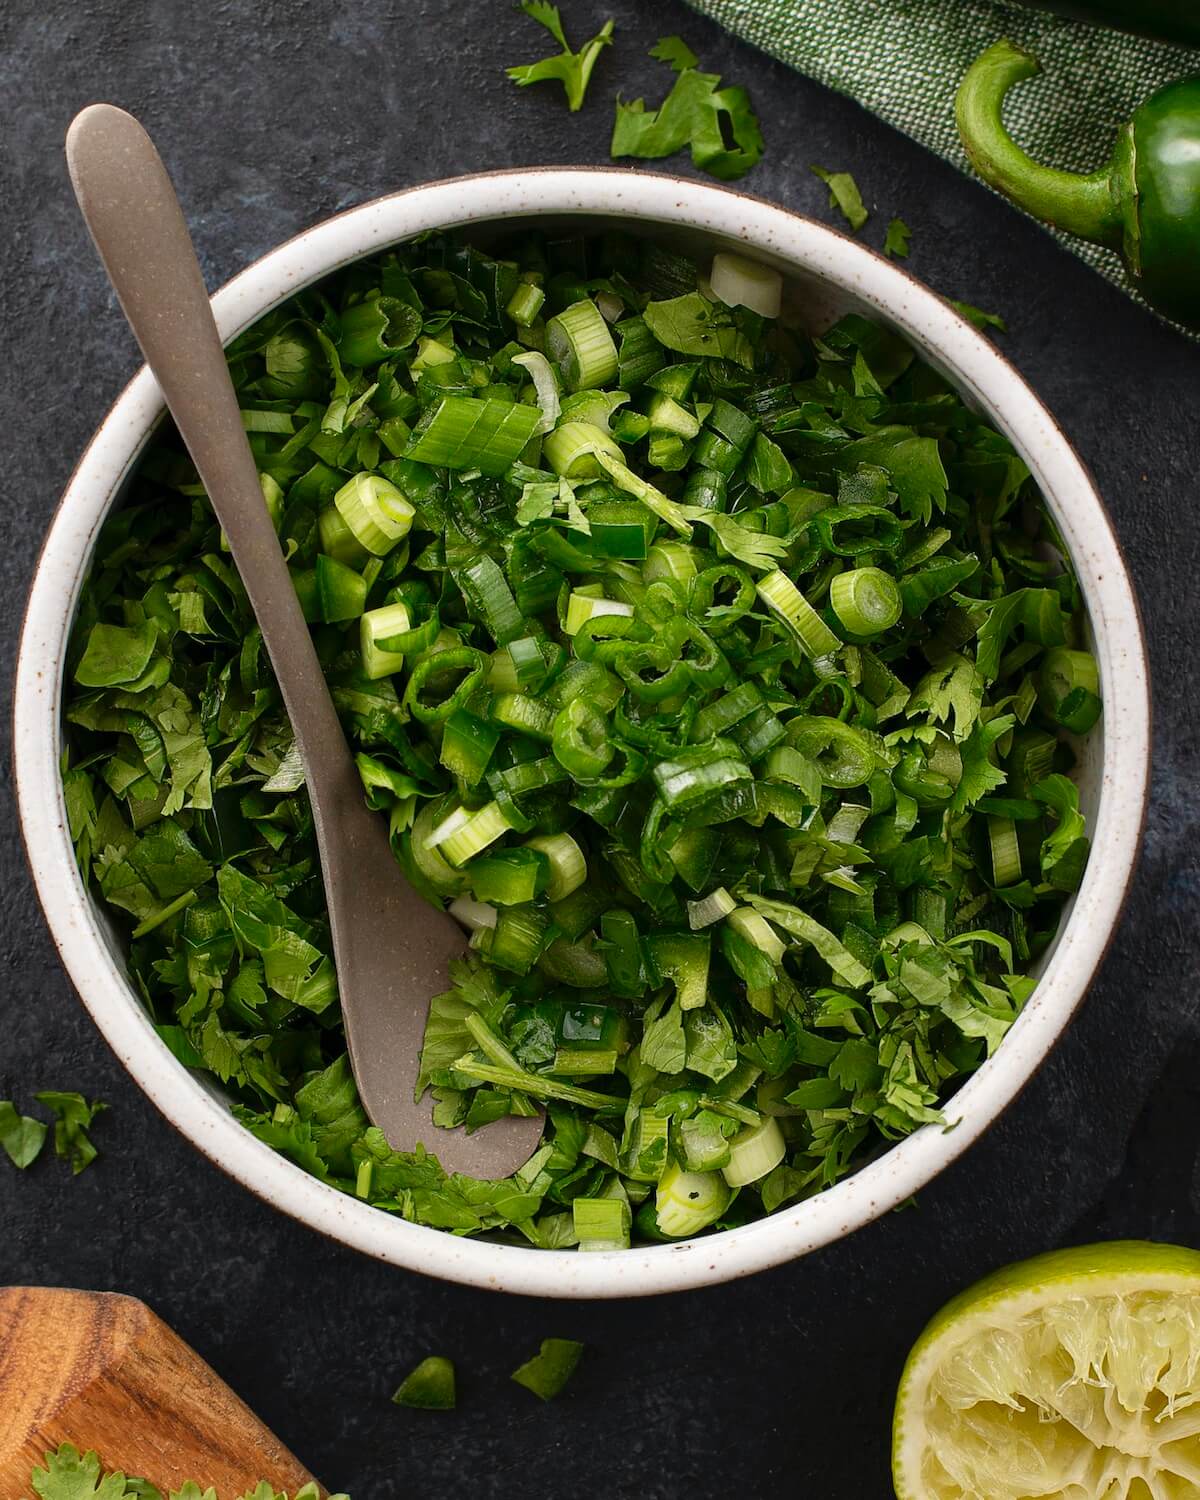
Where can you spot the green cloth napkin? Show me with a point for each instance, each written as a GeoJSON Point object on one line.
{"type": "Point", "coordinates": [903, 59]}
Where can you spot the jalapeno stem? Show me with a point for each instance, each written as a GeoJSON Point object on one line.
{"type": "Point", "coordinates": [1084, 204]}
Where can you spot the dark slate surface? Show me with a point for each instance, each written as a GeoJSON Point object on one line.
{"type": "Point", "coordinates": [272, 115]}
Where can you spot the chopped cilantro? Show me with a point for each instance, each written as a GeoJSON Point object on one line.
{"type": "Point", "coordinates": [844, 194]}
{"type": "Point", "coordinates": [67, 1474]}
{"type": "Point", "coordinates": [21, 1136]}
{"type": "Point", "coordinates": [674, 51]}
{"type": "Point", "coordinates": [73, 1118]}
{"type": "Point", "coordinates": [572, 69]}
{"type": "Point", "coordinates": [550, 1369]}
{"type": "Point", "coordinates": [430, 1387]}
{"type": "Point", "coordinates": [763, 634]}
{"type": "Point", "coordinates": [897, 238]}
{"type": "Point", "coordinates": [698, 113]}
{"type": "Point", "coordinates": [977, 316]}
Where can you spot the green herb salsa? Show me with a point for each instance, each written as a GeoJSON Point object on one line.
{"type": "Point", "coordinates": [720, 676]}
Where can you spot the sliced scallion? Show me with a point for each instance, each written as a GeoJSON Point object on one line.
{"type": "Point", "coordinates": [579, 342]}
{"type": "Point", "coordinates": [780, 594]}
{"type": "Point", "coordinates": [866, 600]}
{"type": "Point", "coordinates": [739, 282]}
{"type": "Point", "coordinates": [687, 1202]}
{"type": "Point", "coordinates": [754, 1152]}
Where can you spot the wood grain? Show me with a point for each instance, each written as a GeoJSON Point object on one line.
{"type": "Point", "coordinates": [102, 1371]}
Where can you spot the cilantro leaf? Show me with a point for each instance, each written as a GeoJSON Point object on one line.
{"type": "Point", "coordinates": [674, 51]}
{"type": "Point", "coordinates": [976, 315]}
{"type": "Point", "coordinates": [954, 688]}
{"type": "Point", "coordinates": [550, 1369]}
{"type": "Point", "coordinates": [572, 69]}
{"type": "Point", "coordinates": [1064, 851]}
{"type": "Point", "coordinates": [757, 549]}
{"type": "Point", "coordinates": [844, 194]}
{"type": "Point", "coordinates": [21, 1136]}
{"type": "Point", "coordinates": [896, 241]}
{"type": "Point", "coordinates": [697, 113]}
{"type": "Point", "coordinates": [116, 654]}
{"type": "Point", "coordinates": [979, 775]}
{"type": "Point", "coordinates": [1038, 610]}
{"type": "Point", "coordinates": [664, 1045]}
{"type": "Point", "coordinates": [74, 1116]}
{"type": "Point", "coordinates": [70, 1475]}
{"type": "Point", "coordinates": [691, 324]}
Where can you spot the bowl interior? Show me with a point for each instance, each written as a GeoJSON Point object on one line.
{"type": "Point", "coordinates": [827, 276]}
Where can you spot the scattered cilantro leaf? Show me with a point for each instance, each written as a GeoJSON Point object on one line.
{"type": "Point", "coordinates": [430, 1387]}
{"type": "Point", "coordinates": [21, 1136]}
{"type": "Point", "coordinates": [976, 315]}
{"type": "Point", "coordinates": [844, 194]}
{"type": "Point", "coordinates": [73, 1118]}
{"type": "Point", "coordinates": [896, 241]}
{"type": "Point", "coordinates": [674, 51]}
{"type": "Point", "coordinates": [550, 1369]}
{"type": "Point", "coordinates": [697, 113]}
{"type": "Point", "coordinates": [572, 69]}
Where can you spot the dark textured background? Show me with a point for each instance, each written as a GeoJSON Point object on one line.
{"type": "Point", "coordinates": [272, 115]}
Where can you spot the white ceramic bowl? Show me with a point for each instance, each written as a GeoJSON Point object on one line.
{"type": "Point", "coordinates": [829, 274]}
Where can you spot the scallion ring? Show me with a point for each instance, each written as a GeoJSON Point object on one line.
{"type": "Point", "coordinates": [866, 600]}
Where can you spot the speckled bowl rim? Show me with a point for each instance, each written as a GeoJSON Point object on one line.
{"type": "Point", "coordinates": [980, 372]}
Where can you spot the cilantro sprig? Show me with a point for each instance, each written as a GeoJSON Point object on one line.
{"type": "Point", "coordinates": [697, 114]}
{"type": "Point", "coordinates": [67, 1474]}
{"type": "Point", "coordinates": [572, 69]}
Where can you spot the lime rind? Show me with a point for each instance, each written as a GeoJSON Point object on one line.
{"type": "Point", "coordinates": [1074, 1376]}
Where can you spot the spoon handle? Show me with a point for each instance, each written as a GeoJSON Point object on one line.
{"type": "Point", "coordinates": [391, 947]}
{"type": "Point", "coordinates": [138, 226]}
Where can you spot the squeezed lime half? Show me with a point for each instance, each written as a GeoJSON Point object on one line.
{"type": "Point", "coordinates": [1072, 1376]}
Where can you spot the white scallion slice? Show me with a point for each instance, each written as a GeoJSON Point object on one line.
{"type": "Point", "coordinates": [378, 625]}
{"type": "Point", "coordinates": [754, 1152]}
{"type": "Point", "coordinates": [739, 282]}
{"type": "Point", "coordinates": [583, 607]}
{"type": "Point", "coordinates": [568, 868]}
{"type": "Point", "coordinates": [468, 839]}
{"type": "Point", "coordinates": [687, 1202]}
{"type": "Point", "coordinates": [710, 909]}
{"type": "Point", "coordinates": [755, 928]}
{"type": "Point", "coordinates": [545, 384]}
{"type": "Point", "coordinates": [474, 915]}
{"type": "Point", "coordinates": [375, 511]}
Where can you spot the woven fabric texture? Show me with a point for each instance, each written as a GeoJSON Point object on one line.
{"type": "Point", "coordinates": [902, 59]}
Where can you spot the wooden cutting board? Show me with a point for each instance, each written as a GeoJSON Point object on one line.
{"type": "Point", "coordinates": [102, 1371]}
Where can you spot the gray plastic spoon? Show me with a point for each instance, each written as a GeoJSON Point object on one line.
{"type": "Point", "coordinates": [390, 946]}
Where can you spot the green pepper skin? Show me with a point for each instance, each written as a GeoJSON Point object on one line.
{"type": "Point", "coordinates": [1166, 156]}
{"type": "Point", "coordinates": [1169, 20]}
{"type": "Point", "coordinates": [1144, 202]}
